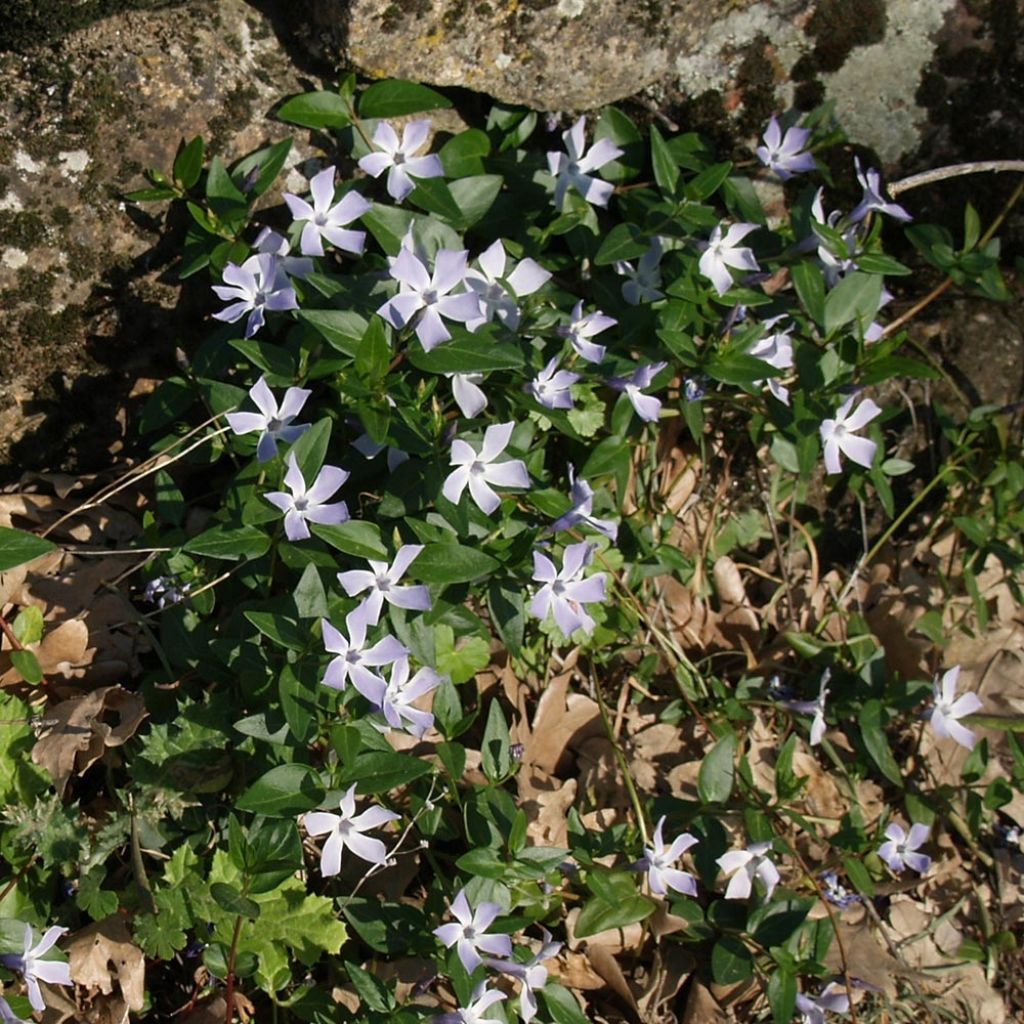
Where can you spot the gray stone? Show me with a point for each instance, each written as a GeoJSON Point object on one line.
{"type": "Point", "coordinates": [84, 286]}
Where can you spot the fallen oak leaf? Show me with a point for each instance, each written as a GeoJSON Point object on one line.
{"type": "Point", "coordinates": [81, 732]}
{"type": "Point", "coordinates": [104, 953]}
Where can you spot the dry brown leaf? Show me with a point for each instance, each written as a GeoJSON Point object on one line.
{"type": "Point", "coordinates": [671, 965]}
{"type": "Point", "coordinates": [608, 968]}
{"type": "Point", "coordinates": [573, 970]}
{"type": "Point", "coordinates": [561, 722]}
{"type": "Point", "coordinates": [214, 1009]}
{"type": "Point", "coordinates": [82, 732]}
{"type": "Point", "coordinates": [545, 801]}
{"type": "Point", "coordinates": [103, 954]}
{"type": "Point", "coordinates": [702, 1007]}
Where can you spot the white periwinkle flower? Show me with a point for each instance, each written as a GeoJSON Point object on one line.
{"type": "Point", "coordinates": [832, 998]}
{"type": "Point", "coordinates": [489, 284]}
{"type": "Point", "coordinates": [658, 859]}
{"type": "Point", "coordinates": [326, 218]}
{"type": "Point", "coordinates": [784, 155]}
{"type": "Point", "coordinates": [900, 850]}
{"type": "Point", "coordinates": [394, 699]}
{"type": "Point", "coordinates": [776, 350]}
{"type": "Point", "coordinates": [581, 329]}
{"type": "Point", "coordinates": [354, 659]}
{"type": "Point", "coordinates": [424, 298]}
{"type": "Point", "coordinates": [574, 167]}
{"type": "Point", "coordinates": [643, 282]}
{"type": "Point", "coordinates": [948, 708]}
{"type": "Point", "coordinates": [397, 157]}
{"type": "Point", "coordinates": [479, 470]}
{"type": "Point", "coordinates": [382, 582]}
{"type": "Point", "coordinates": [745, 866]}
{"type": "Point", "coordinates": [346, 830]}
{"type": "Point", "coordinates": [873, 199]}
{"type": "Point", "coordinates": [309, 504]}
{"type": "Point", "coordinates": [720, 253]}
{"type": "Point", "coordinates": [581, 496]}
{"type": "Point", "coordinates": [815, 708]}
{"type": "Point", "coordinates": [532, 975]}
{"type": "Point", "coordinates": [551, 387]}
{"type": "Point", "coordinates": [647, 407]}
{"type": "Point", "coordinates": [259, 284]}
{"type": "Point", "coordinates": [482, 999]}
{"type": "Point", "coordinates": [273, 421]}
{"type": "Point", "coordinates": [564, 592]}
{"type": "Point", "coordinates": [34, 969]}
{"type": "Point", "coordinates": [468, 933]}
{"type": "Point", "coordinates": [837, 435]}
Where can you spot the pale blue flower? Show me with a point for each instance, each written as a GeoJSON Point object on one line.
{"type": "Point", "coordinates": [948, 708]}
{"type": "Point", "coordinates": [574, 167]}
{"type": "Point", "coordinates": [581, 329]}
{"type": "Point", "coordinates": [647, 407]}
{"type": "Point", "coordinates": [257, 285]}
{"type": "Point", "coordinates": [722, 253]}
{"type": "Point", "coordinates": [489, 284]}
{"type": "Point", "coordinates": [479, 470]}
{"type": "Point", "coordinates": [532, 975]}
{"type": "Point", "coordinates": [34, 969]}
{"type": "Point", "coordinates": [784, 155]}
{"type": "Point", "coordinates": [397, 158]}
{"type": "Point", "coordinates": [658, 859]}
{"type": "Point", "coordinates": [565, 591]}
{"type": "Point", "coordinates": [354, 658]}
{"type": "Point", "coordinates": [468, 933]}
{"type": "Point", "coordinates": [274, 422]}
{"type": "Point", "coordinates": [581, 497]}
{"type": "Point", "coordinates": [900, 850]}
{"type": "Point", "coordinates": [309, 503]}
{"type": "Point", "coordinates": [551, 386]}
{"type": "Point", "coordinates": [394, 699]}
{"type": "Point", "coordinates": [382, 581]}
{"type": "Point", "coordinates": [837, 435]}
{"type": "Point", "coordinates": [346, 830]}
{"type": "Point", "coordinates": [745, 866]}
{"type": "Point", "coordinates": [870, 182]}
{"type": "Point", "coordinates": [326, 218]}
{"type": "Point", "coordinates": [643, 282]}
{"type": "Point", "coordinates": [482, 999]}
{"type": "Point", "coordinates": [831, 998]}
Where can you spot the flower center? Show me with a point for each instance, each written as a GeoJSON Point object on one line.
{"type": "Point", "coordinates": [469, 932]}
{"type": "Point", "coordinates": [558, 588]}
{"type": "Point", "coordinates": [274, 424]}
{"type": "Point", "coordinates": [429, 296]}
{"type": "Point", "coordinates": [301, 504]}
{"type": "Point", "coordinates": [383, 584]}
{"type": "Point", "coordinates": [320, 220]}
{"type": "Point", "coordinates": [398, 159]}
{"type": "Point", "coordinates": [477, 468]}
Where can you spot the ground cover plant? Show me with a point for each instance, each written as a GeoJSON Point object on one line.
{"type": "Point", "coordinates": [541, 602]}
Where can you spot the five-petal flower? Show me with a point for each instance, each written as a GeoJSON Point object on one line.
{"type": "Point", "coordinates": [532, 974]}
{"type": "Point", "coordinates": [720, 253]}
{"type": "Point", "coordinates": [581, 496]}
{"type": "Point", "coordinates": [259, 284]}
{"type": "Point", "coordinates": [581, 329]}
{"type": "Point", "coordinates": [647, 407]}
{"type": "Point", "coordinates": [948, 708]}
{"type": "Point", "coordinates": [481, 1000]}
{"type": "Point", "coordinates": [394, 699]}
{"type": "Point", "coordinates": [745, 866]}
{"type": "Point", "coordinates": [479, 470]}
{"type": "Point", "coordinates": [354, 659]}
{"type": "Point", "coordinates": [564, 592]}
{"type": "Point", "coordinates": [784, 155]}
{"type": "Point", "coordinates": [815, 708]}
{"type": "Point", "coordinates": [468, 933]}
{"type": "Point", "coordinates": [309, 503]}
{"type": "Point", "coordinates": [274, 422]}
{"type": "Point", "coordinates": [658, 859]}
{"type": "Point", "coordinates": [574, 167]}
{"type": "Point", "coordinates": [396, 157]}
{"type": "Point", "coordinates": [899, 850]}
{"type": "Point", "coordinates": [346, 830]}
{"type": "Point", "coordinates": [34, 969]}
{"type": "Point", "coordinates": [643, 282]}
{"type": "Point", "coordinates": [776, 350]}
{"type": "Point", "coordinates": [872, 199]}
{"type": "Point", "coordinates": [489, 285]}
{"type": "Point", "coordinates": [382, 582]}
{"type": "Point", "coordinates": [551, 386]}
{"type": "Point", "coordinates": [837, 434]}
{"type": "Point", "coordinates": [326, 218]}
{"type": "Point", "coordinates": [423, 298]}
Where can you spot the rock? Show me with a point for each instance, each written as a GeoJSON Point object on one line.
{"type": "Point", "coordinates": [28, 23]}
{"type": "Point", "coordinates": [80, 270]}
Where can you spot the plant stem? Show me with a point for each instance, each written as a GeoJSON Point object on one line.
{"type": "Point", "coordinates": [229, 993]}
{"type": "Point", "coordinates": [954, 171]}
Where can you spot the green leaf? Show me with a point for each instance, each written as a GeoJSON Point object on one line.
{"type": "Point", "coordinates": [265, 356]}
{"type": "Point", "coordinates": [396, 97]}
{"type": "Point", "coordinates": [463, 155]}
{"type": "Point", "coordinates": [459, 662]}
{"type": "Point", "coordinates": [872, 720]}
{"type": "Point", "coordinates": [787, 782]}
{"type": "Point", "coordinates": [356, 537]}
{"type": "Point", "coordinates": [315, 110]}
{"type": "Point", "coordinates": [150, 195]}
{"type": "Point", "coordinates": [434, 196]}
{"type": "Point", "coordinates": [309, 594]}
{"type": "Point", "coordinates": [282, 629]}
{"type": "Point", "coordinates": [474, 197]}
{"type": "Point", "coordinates": [378, 771]}
{"type": "Point", "coordinates": [453, 563]}
{"type": "Point", "coordinates": [854, 298]}
{"type": "Point", "coordinates": [782, 995]}
{"type": "Point", "coordinates": [486, 349]}
{"type": "Point", "coordinates": [623, 242]}
{"type": "Point", "coordinates": [859, 876]}
{"type": "Point", "coordinates": [707, 182]}
{"type": "Point", "coordinates": [343, 329]}
{"type": "Point", "coordinates": [310, 450]}
{"type": "Point", "coordinates": [666, 170]}
{"type": "Point", "coordinates": [562, 1005]}
{"type": "Point", "coordinates": [18, 547]}
{"type": "Point", "coordinates": [28, 626]}
{"type": "Point", "coordinates": [731, 961]}
{"type": "Point", "coordinates": [598, 915]}
{"type": "Point", "coordinates": [27, 666]}
{"type": "Point", "coordinates": [507, 608]}
{"type": "Point", "coordinates": [613, 124]}
{"type": "Point", "coordinates": [810, 288]}
{"type": "Point", "coordinates": [606, 457]}
{"type": "Point", "coordinates": [717, 771]}
{"type": "Point", "coordinates": [230, 541]}
{"type": "Point", "coordinates": [495, 755]}
{"type": "Point", "coordinates": [284, 791]}
{"type": "Point", "coordinates": [879, 263]}
{"type": "Point", "coordinates": [230, 899]}
{"type": "Point", "coordinates": [188, 164]}
{"type": "Point", "coordinates": [374, 353]}
{"type": "Point", "coordinates": [265, 165]}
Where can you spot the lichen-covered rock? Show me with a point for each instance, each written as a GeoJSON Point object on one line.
{"type": "Point", "coordinates": [548, 54]}
{"type": "Point", "coordinates": [28, 23]}
{"type": "Point", "coordinates": [80, 270]}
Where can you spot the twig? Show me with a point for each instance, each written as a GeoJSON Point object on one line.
{"type": "Point", "coordinates": [954, 171]}
{"type": "Point", "coordinates": [229, 993]}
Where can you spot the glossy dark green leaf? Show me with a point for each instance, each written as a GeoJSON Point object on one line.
{"type": "Point", "coordinates": [717, 771]}
{"type": "Point", "coordinates": [356, 537]}
{"type": "Point", "coordinates": [598, 915]}
{"type": "Point", "coordinates": [873, 719]}
{"type": "Point", "coordinates": [18, 547]}
{"type": "Point", "coordinates": [315, 110]}
{"type": "Point", "coordinates": [623, 242]}
{"type": "Point", "coordinates": [731, 961]}
{"type": "Point", "coordinates": [343, 329]}
{"type": "Point", "coordinates": [228, 898]}
{"type": "Point", "coordinates": [452, 563]}
{"type": "Point", "coordinates": [486, 349]}
{"type": "Point", "coordinates": [495, 756]}
{"type": "Point", "coordinates": [188, 164]}
{"type": "Point", "coordinates": [230, 541]}
{"type": "Point", "coordinates": [397, 97]}
{"type": "Point", "coordinates": [379, 771]}
{"type": "Point", "coordinates": [283, 792]}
